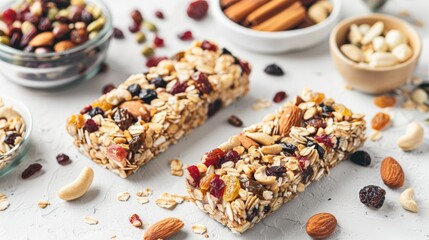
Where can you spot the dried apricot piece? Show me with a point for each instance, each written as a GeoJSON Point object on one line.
{"type": "Point", "coordinates": [78, 120]}
{"type": "Point", "coordinates": [102, 104]}
{"type": "Point", "coordinates": [205, 181]}
{"type": "Point", "coordinates": [385, 101]}
{"type": "Point", "coordinates": [343, 110]}
{"type": "Point", "coordinates": [380, 121]}
{"type": "Point", "coordinates": [317, 97]}
{"type": "Point", "coordinates": [232, 187]}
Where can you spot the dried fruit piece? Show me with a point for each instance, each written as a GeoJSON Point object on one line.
{"type": "Point", "coordinates": [361, 158]}
{"type": "Point", "coordinates": [159, 82]}
{"type": "Point", "coordinates": [217, 187]}
{"type": "Point", "coordinates": [325, 139]}
{"type": "Point", "coordinates": [372, 196]}
{"type": "Point", "coordinates": [213, 157]}
{"type": "Point", "coordinates": [136, 221]}
{"type": "Point", "coordinates": [385, 101]}
{"type": "Point", "coordinates": [107, 88]}
{"type": "Point", "coordinates": [63, 159]}
{"type": "Point", "coordinates": [123, 118]}
{"type": "Point", "coordinates": [154, 61]}
{"type": "Point", "coordinates": [343, 110]}
{"type": "Point", "coordinates": [163, 229]}
{"type": "Point", "coordinates": [235, 121]}
{"type": "Point", "coordinates": [197, 9]}
{"type": "Point", "coordinates": [10, 138]}
{"type": "Point", "coordinates": [288, 148]}
{"type": "Point", "coordinates": [103, 105]}
{"type": "Point", "coordinates": [117, 154]}
{"type": "Point", "coordinates": [118, 34]}
{"type": "Point", "coordinates": [321, 225]}
{"type": "Point", "coordinates": [31, 170]}
{"type": "Point", "coordinates": [179, 88]}
{"type": "Point", "coordinates": [185, 36]}
{"type": "Point", "coordinates": [214, 107]}
{"type": "Point", "coordinates": [158, 42]}
{"type": "Point", "coordinates": [380, 121]}
{"type": "Point", "coordinates": [136, 16]}
{"type": "Point", "coordinates": [193, 175]}
{"type": "Point", "coordinates": [78, 120]}
{"type": "Point", "coordinates": [206, 45]}
{"type": "Point", "coordinates": [206, 180]}
{"type": "Point", "coordinates": [279, 97]}
{"type": "Point", "coordinates": [90, 126]}
{"type": "Point", "coordinates": [276, 171]}
{"type": "Point", "coordinates": [274, 70]}
{"type": "Point", "coordinates": [159, 14]}
{"type": "Point", "coordinates": [232, 187]}
{"type": "Point", "coordinates": [391, 173]}
{"type": "Point", "coordinates": [202, 83]}
{"type": "Point", "coordinates": [147, 95]}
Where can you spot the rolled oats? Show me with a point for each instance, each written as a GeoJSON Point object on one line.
{"type": "Point", "coordinates": [272, 169]}
{"type": "Point", "coordinates": [199, 229]}
{"type": "Point", "coordinates": [196, 85]}
{"type": "Point", "coordinates": [123, 196]}
{"type": "Point", "coordinates": [4, 202]}
{"type": "Point", "coordinates": [145, 193]}
{"type": "Point", "coordinates": [176, 167]}
{"type": "Point", "coordinates": [142, 200]}
{"type": "Point", "coordinates": [90, 220]}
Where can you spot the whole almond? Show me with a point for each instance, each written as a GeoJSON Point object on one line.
{"type": "Point", "coordinates": [43, 39]}
{"type": "Point", "coordinates": [247, 142]}
{"type": "Point", "coordinates": [63, 46]}
{"type": "Point", "coordinates": [163, 229]}
{"type": "Point", "coordinates": [137, 109]}
{"type": "Point", "coordinates": [321, 225]}
{"type": "Point", "coordinates": [292, 116]}
{"type": "Point", "coordinates": [392, 173]}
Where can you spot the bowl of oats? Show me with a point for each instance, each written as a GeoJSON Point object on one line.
{"type": "Point", "coordinates": [15, 129]}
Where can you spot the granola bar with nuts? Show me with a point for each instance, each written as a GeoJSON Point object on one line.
{"type": "Point", "coordinates": [254, 173]}
{"type": "Point", "coordinates": [128, 126]}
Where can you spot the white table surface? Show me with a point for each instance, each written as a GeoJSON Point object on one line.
{"type": "Point", "coordinates": [310, 68]}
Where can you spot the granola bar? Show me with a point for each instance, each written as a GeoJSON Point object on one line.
{"type": "Point", "coordinates": [254, 173]}
{"type": "Point", "coordinates": [127, 127]}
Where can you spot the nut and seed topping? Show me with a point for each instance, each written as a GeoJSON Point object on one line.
{"type": "Point", "coordinates": [43, 204]}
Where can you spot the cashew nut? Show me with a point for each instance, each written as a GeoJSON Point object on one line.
{"type": "Point", "coordinates": [78, 187]}
{"type": "Point", "coordinates": [413, 137]}
{"type": "Point", "coordinates": [261, 176]}
{"type": "Point", "coordinates": [230, 144]}
{"type": "Point", "coordinates": [273, 149]}
{"type": "Point", "coordinates": [407, 200]}
{"type": "Point", "coordinates": [375, 31]}
{"type": "Point", "coordinates": [261, 138]}
{"type": "Point", "coordinates": [394, 38]}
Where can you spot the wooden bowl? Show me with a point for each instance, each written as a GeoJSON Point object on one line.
{"type": "Point", "coordinates": [371, 79]}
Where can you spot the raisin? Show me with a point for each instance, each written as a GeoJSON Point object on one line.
{"type": "Point", "coordinates": [385, 101]}
{"type": "Point", "coordinates": [78, 120]}
{"type": "Point", "coordinates": [123, 118]}
{"type": "Point", "coordinates": [214, 107]}
{"type": "Point", "coordinates": [245, 67]}
{"type": "Point", "coordinates": [303, 162]}
{"type": "Point", "coordinates": [288, 148]}
{"type": "Point", "coordinates": [159, 14]}
{"type": "Point", "coordinates": [274, 70]}
{"type": "Point", "coordinates": [343, 110]}
{"type": "Point", "coordinates": [235, 121]}
{"type": "Point", "coordinates": [206, 180]}
{"type": "Point", "coordinates": [134, 27]}
{"type": "Point", "coordinates": [107, 88]}
{"type": "Point", "coordinates": [232, 187]}
{"type": "Point", "coordinates": [197, 9]}
{"type": "Point", "coordinates": [317, 97]}
{"type": "Point", "coordinates": [307, 174]}
{"type": "Point", "coordinates": [63, 159]}
{"type": "Point", "coordinates": [267, 208]}
{"type": "Point", "coordinates": [118, 34]}
{"type": "Point", "coordinates": [252, 214]}
{"type": "Point", "coordinates": [135, 144]}
{"type": "Point", "coordinates": [193, 175]}
{"type": "Point", "coordinates": [31, 170]}
{"type": "Point", "coordinates": [202, 83]}
{"type": "Point", "coordinates": [327, 109]}
{"type": "Point", "coordinates": [253, 186]}
{"type": "Point", "coordinates": [147, 95]}
{"type": "Point", "coordinates": [159, 82]}
{"type": "Point", "coordinates": [315, 122]}
{"type": "Point", "coordinates": [10, 139]}
{"type": "Point", "coordinates": [90, 126]}
{"type": "Point", "coordinates": [277, 171]}
{"type": "Point", "coordinates": [95, 111]}
{"type": "Point", "coordinates": [86, 109]}
{"type": "Point", "coordinates": [179, 88]}
{"type": "Point", "coordinates": [372, 196]}
{"type": "Point", "coordinates": [217, 187]}
{"type": "Point", "coordinates": [380, 121]}
{"type": "Point", "coordinates": [361, 158]}
{"type": "Point", "coordinates": [213, 157]}
{"type": "Point", "coordinates": [136, 16]}
{"type": "Point", "coordinates": [134, 89]}
{"type": "Point", "coordinates": [279, 97]}
{"type": "Point", "coordinates": [104, 67]}
{"type": "Point", "coordinates": [231, 155]}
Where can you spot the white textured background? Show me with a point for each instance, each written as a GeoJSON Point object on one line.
{"type": "Point", "coordinates": [310, 68]}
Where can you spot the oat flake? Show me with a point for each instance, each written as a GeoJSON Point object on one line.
{"type": "Point", "coordinates": [90, 220]}
{"type": "Point", "coordinates": [123, 196]}
{"type": "Point", "coordinates": [4, 202]}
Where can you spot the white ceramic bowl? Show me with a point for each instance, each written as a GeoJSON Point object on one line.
{"type": "Point", "coordinates": [276, 42]}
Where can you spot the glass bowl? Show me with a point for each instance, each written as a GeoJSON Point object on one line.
{"type": "Point", "coordinates": [10, 160]}
{"type": "Point", "coordinates": [56, 69]}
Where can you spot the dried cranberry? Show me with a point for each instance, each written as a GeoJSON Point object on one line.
{"type": "Point", "coordinates": [116, 153]}
{"type": "Point", "coordinates": [134, 27]}
{"type": "Point", "coordinates": [134, 89]}
{"type": "Point", "coordinates": [123, 118]}
{"type": "Point", "coordinates": [90, 126]}
{"type": "Point", "coordinates": [231, 155]}
{"type": "Point", "coordinates": [10, 139]}
{"type": "Point", "coordinates": [86, 109]}
{"type": "Point", "coordinates": [288, 148]}
{"type": "Point", "coordinates": [372, 196]}
{"type": "Point", "coordinates": [213, 157]}
{"type": "Point", "coordinates": [361, 158]}
{"type": "Point", "coordinates": [277, 171]}
{"type": "Point", "coordinates": [315, 122]}
{"type": "Point", "coordinates": [179, 88]}
{"type": "Point", "coordinates": [158, 42]}
{"type": "Point", "coordinates": [135, 144]}
{"type": "Point", "coordinates": [279, 97]}
{"type": "Point", "coordinates": [202, 83]}
{"type": "Point", "coordinates": [197, 9]}
{"type": "Point", "coordinates": [9, 16]}
{"type": "Point", "coordinates": [214, 107]}
{"type": "Point", "coordinates": [303, 162]}
{"type": "Point", "coordinates": [245, 67]}
{"type": "Point", "coordinates": [45, 25]}
{"type": "Point", "coordinates": [137, 16]}
{"type": "Point", "coordinates": [159, 14]}
{"type": "Point", "coordinates": [185, 36]}
{"type": "Point", "coordinates": [159, 82]}
{"type": "Point", "coordinates": [274, 69]}
{"type": "Point", "coordinates": [31, 170]}
{"type": "Point", "coordinates": [235, 121]}
{"type": "Point", "coordinates": [153, 61]}
{"type": "Point", "coordinates": [217, 187]}
{"type": "Point", "coordinates": [107, 88]}
{"type": "Point", "coordinates": [63, 159]}
{"type": "Point", "coordinates": [206, 45]}
{"type": "Point", "coordinates": [95, 111]}
{"type": "Point", "coordinates": [307, 174]}
{"type": "Point", "coordinates": [147, 95]}
{"type": "Point", "coordinates": [193, 175]}
{"type": "Point", "coordinates": [118, 34]}
{"type": "Point", "coordinates": [325, 139]}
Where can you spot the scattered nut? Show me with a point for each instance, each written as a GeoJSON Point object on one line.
{"type": "Point", "coordinates": [407, 200]}
{"type": "Point", "coordinates": [321, 225]}
{"type": "Point", "coordinates": [123, 196]}
{"type": "Point", "coordinates": [261, 176]}
{"type": "Point", "coordinates": [391, 173]}
{"type": "Point", "coordinates": [43, 204]}
{"type": "Point", "coordinates": [402, 52]}
{"type": "Point", "coordinates": [90, 220]}
{"type": "Point", "coordinates": [199, 229]}
{"type": "Point", "coordinates": [136, 221]}
{"type": "Point", "coordinates": [319, 11]}
{"type": "Point", "coordinates": [163, 229]}
{"type": "Point", "coordinates": [419, 96]}
{"type": "Point", "coordinates": [375, 31]}
{"type": "Point", "coordinates": [78, 187]}
{"type": "Point", "coordinates": [355, 35]}
{"type": "Point", "coordinates": [375, 135]}
{"type": "Point", "coordinates": [4, 202]}
{"type": "Point", "coordinates": [413, 137]}
{"type": "Point", "coordinates": [394, 38]}
{"type": "Point", "coordinates": [352, 52]}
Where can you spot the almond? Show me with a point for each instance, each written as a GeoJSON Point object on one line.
{"type": "Point", "coordinates": [321, 225]}
{"type": "Point", "coordinates": [392, 173]}
{"type": "Point", "coordinates": [292, 116]}
{"type": "Point", "coordinates": [285, 20]}
{"type": "Point", "coordinates": [238, 11]}
{"type": "Point", "coordinates": [63, 46]}
{"type": "Point", "coordinates": [137, 109]}
{"type": "Point", "coordinates": [163, 229]}
{"type": "Point", "coordinates": [247, 142]}
{"type": "Point", "coordinates": [43, 39]}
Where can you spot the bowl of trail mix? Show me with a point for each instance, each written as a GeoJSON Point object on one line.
{"type": "Point", "coordinates": [49, 43]}
{"type": "Point", "coordinates": [15, 129]}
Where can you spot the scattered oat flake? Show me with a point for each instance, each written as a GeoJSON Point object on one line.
{"type": "Point", "coordinates": [145, 193]}
{"type": "Point", "coordinates": [167, 200]}
{"type": "Point", "coordinates": [176, 167]}
{"type": "Point", "coordinates": [123, 196]}
{"type": "Point", "coordinates": [199, 229]}
{"type": "Point", "coordinates": [43, 204]}
{"type": "Point", "coordinates": [4, 202]}
{"type": "Point", "coordinates": [90, 220]}
{"type": "Point", "coordinates": [348, 87]}
{"type": "Point", "coordinates": [142, 200]}
{"type": "Point", "coordinates": [375, 136]}
{"type": "Point", "coordinates": [261, 103]}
